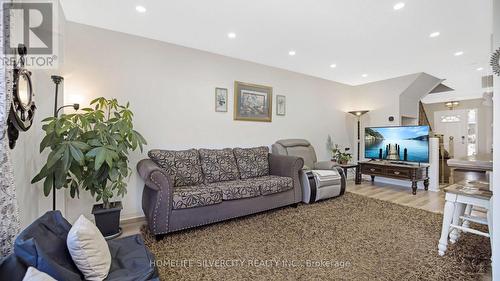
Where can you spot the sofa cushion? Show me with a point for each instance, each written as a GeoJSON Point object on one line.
{"type": "Point", "coordinates": [252, 162]}
{"type": "Point", "coordinates": [237, 189]}
{"type": "Point", "coordinates": [183, 166]}
{"type": "Point", "coordinates": [43, 245]}
{"type": "Point", "coordinates": [218, 165]}
{"type": "Point", "coordinates": [131, 260]}
{"type": "Point", "coordinates": [273, 184]}
{"type": "Point", "coordinates": [12, 268]}
{"type": "Point", "coordinates": [195, 196]}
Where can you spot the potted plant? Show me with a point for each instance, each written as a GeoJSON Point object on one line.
{"type": "Point", "coordinates": [339, 156]}
{"type": "Point", "coordinates": [89, 151]}
{"type": "Point", "coordinates": [344, 157]}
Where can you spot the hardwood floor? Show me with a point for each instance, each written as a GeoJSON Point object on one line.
{"type": "Point", "coordinates": [426, 200]}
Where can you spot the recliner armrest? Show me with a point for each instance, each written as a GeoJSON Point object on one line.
{"type": "Point", "coordinates": [285, 166]}
{"type": "Point", "coordinates": [324, 165]}
{"type": "Point", "coordinates": [153, 175]}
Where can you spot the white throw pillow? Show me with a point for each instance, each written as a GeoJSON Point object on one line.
{"type": "Point", "coordinates": [33, 274]}
{"type": "Point", "coordinates": [89, 250]}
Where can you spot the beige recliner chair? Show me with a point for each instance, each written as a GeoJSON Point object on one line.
{"type": "Point", "coordinates": [316, 183]}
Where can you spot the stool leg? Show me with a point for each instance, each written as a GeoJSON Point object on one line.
{"type": "Point", "coordinates": [468, 211]}
{"type": "Point", "coordinates": [451, 179]}
{"type": "Point", "coordinates": [489, 217]}
{"type": "Point", "coordinates": [449, 209]}
{"type": "Point", "coordinates": [459, 211]}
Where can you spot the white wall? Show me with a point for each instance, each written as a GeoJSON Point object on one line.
{"type": "Point", "coordinates": [410, 98]}
{"type": "Point", "coordinates": [171, 91]}
{"type": "Point", "coordinates": [496, 156]}
{"type": "Point", "coordinates": [382, 99]}
{"type": "Point", "coordinates": [26, 158]}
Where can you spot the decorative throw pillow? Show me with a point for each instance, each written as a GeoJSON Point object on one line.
{"type": "Point", "coordinates": [183, 166]}
{"type": "Point", "coordinates": [32, 274]}
{"type": "Point", "coordinates": [252, 162]}
{"type": "Point", "coordinates": [89, 250]}
{"type": "Point", "coordinates": [218, 165]}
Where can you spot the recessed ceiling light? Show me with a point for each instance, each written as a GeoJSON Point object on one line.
{"type": "Point", "coordinates": [231, 35]}
{"type": "Point", "coordinates": [459, 53]}
{"type": "Point", "coordinates": [479, 68]}
{"type": "Point", "coordinates": [291, 53]}
{"type": "Point", "coordinates": [140, 9]}
{"type": "Point", "coordinates": [364, 75]}
{"type": "Point", "coordinates": [434, 34]}
{"type": "Point", "coordinates": [333, 65]}
{"type": "Point", "coordinates": [399, 6]}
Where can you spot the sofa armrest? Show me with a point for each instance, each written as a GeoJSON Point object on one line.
{"type": "Point", "coordinates": [155, 177]}
{"type": "Point", "coordinates": [288, 166]}
{"type": "Point", "coordinates": [324, 165]}
{"type": "Point", "coordinates": [156, 196]}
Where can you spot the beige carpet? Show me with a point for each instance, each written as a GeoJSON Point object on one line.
{"type": "Point", "coordinates": [348, 238]}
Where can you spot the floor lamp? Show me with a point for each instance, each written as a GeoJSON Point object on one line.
{"type": "Point", "coordinates": [57, 80]}
{"type": "Point", "coordinates": [358, 115]}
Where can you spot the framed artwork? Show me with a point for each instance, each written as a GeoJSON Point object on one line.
{"type": "Point", "coordinates": [280, 105]}
{"type": "Point", "coordinates": [220, 99]}
{"type": "Point", "coordinates": [252, 102]}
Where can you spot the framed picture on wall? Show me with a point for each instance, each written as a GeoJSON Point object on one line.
{"type": "Point", "coordinates": [252, 102]}
{"type": "Point", "coordinates": [280, 105]}
{"type": "Point", "coordinates": [220, 99]}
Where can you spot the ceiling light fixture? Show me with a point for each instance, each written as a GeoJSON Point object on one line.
{"type": "Point", "coordinates": [459, 53]}
{"type": "Point", "coordinates": [231, 35]}
{"type": "Point", "coordinates": [140, 9]}
{"type": "Point", "coordinates": [434, 34]}
{"type": "Point", "coordinates": [452, 104]}
{"type": "Point", "coordinates": [479, 68]}
{"type": "Point", "coordinates": [291, 53]}
{"type": "Point", "coordinates": [333, 65]}
{"type": "Point", "coordinates": [399, 6]}
{"type": "Point", "coordinates": [364, 75]}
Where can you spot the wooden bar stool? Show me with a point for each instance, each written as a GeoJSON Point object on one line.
{"type": "Point", "coordinates": [460, 197]}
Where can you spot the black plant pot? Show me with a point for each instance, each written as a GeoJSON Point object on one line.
{"type": "Point", "coordinates": [108, 220]}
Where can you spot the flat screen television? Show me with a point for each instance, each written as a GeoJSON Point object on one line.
{"type": "Point", "coordinates": [405, 143]}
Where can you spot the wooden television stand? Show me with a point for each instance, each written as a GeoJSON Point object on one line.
{"type": "Point", "coordinates": [413, 172]}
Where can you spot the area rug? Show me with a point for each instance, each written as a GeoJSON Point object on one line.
{"type": "Point", "coordinates": [348, 238]}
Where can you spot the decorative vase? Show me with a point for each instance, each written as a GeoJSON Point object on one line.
{"type": "Point", "coordinates": [107, 220]}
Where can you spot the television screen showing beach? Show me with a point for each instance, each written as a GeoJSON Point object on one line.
{"type": "Point", "coordinates": [409, 143]}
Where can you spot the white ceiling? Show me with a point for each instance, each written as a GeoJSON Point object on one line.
{"type": "Point", "coordinates": [359, 36]}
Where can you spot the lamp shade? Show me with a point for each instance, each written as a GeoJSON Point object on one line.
{"type": "Point", "coordinates": [358, 113]}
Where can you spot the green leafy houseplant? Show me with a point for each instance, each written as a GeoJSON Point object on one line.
{"type": "Point", "coordinates": [89, 150]}
{"type": "Point", "coordinates": [342, 157]}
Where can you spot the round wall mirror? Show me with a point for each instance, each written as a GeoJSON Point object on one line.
{"type": "Point", "coordinates": [22, 107]}
{"type": "Point", "coordinates": [24, 91]}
